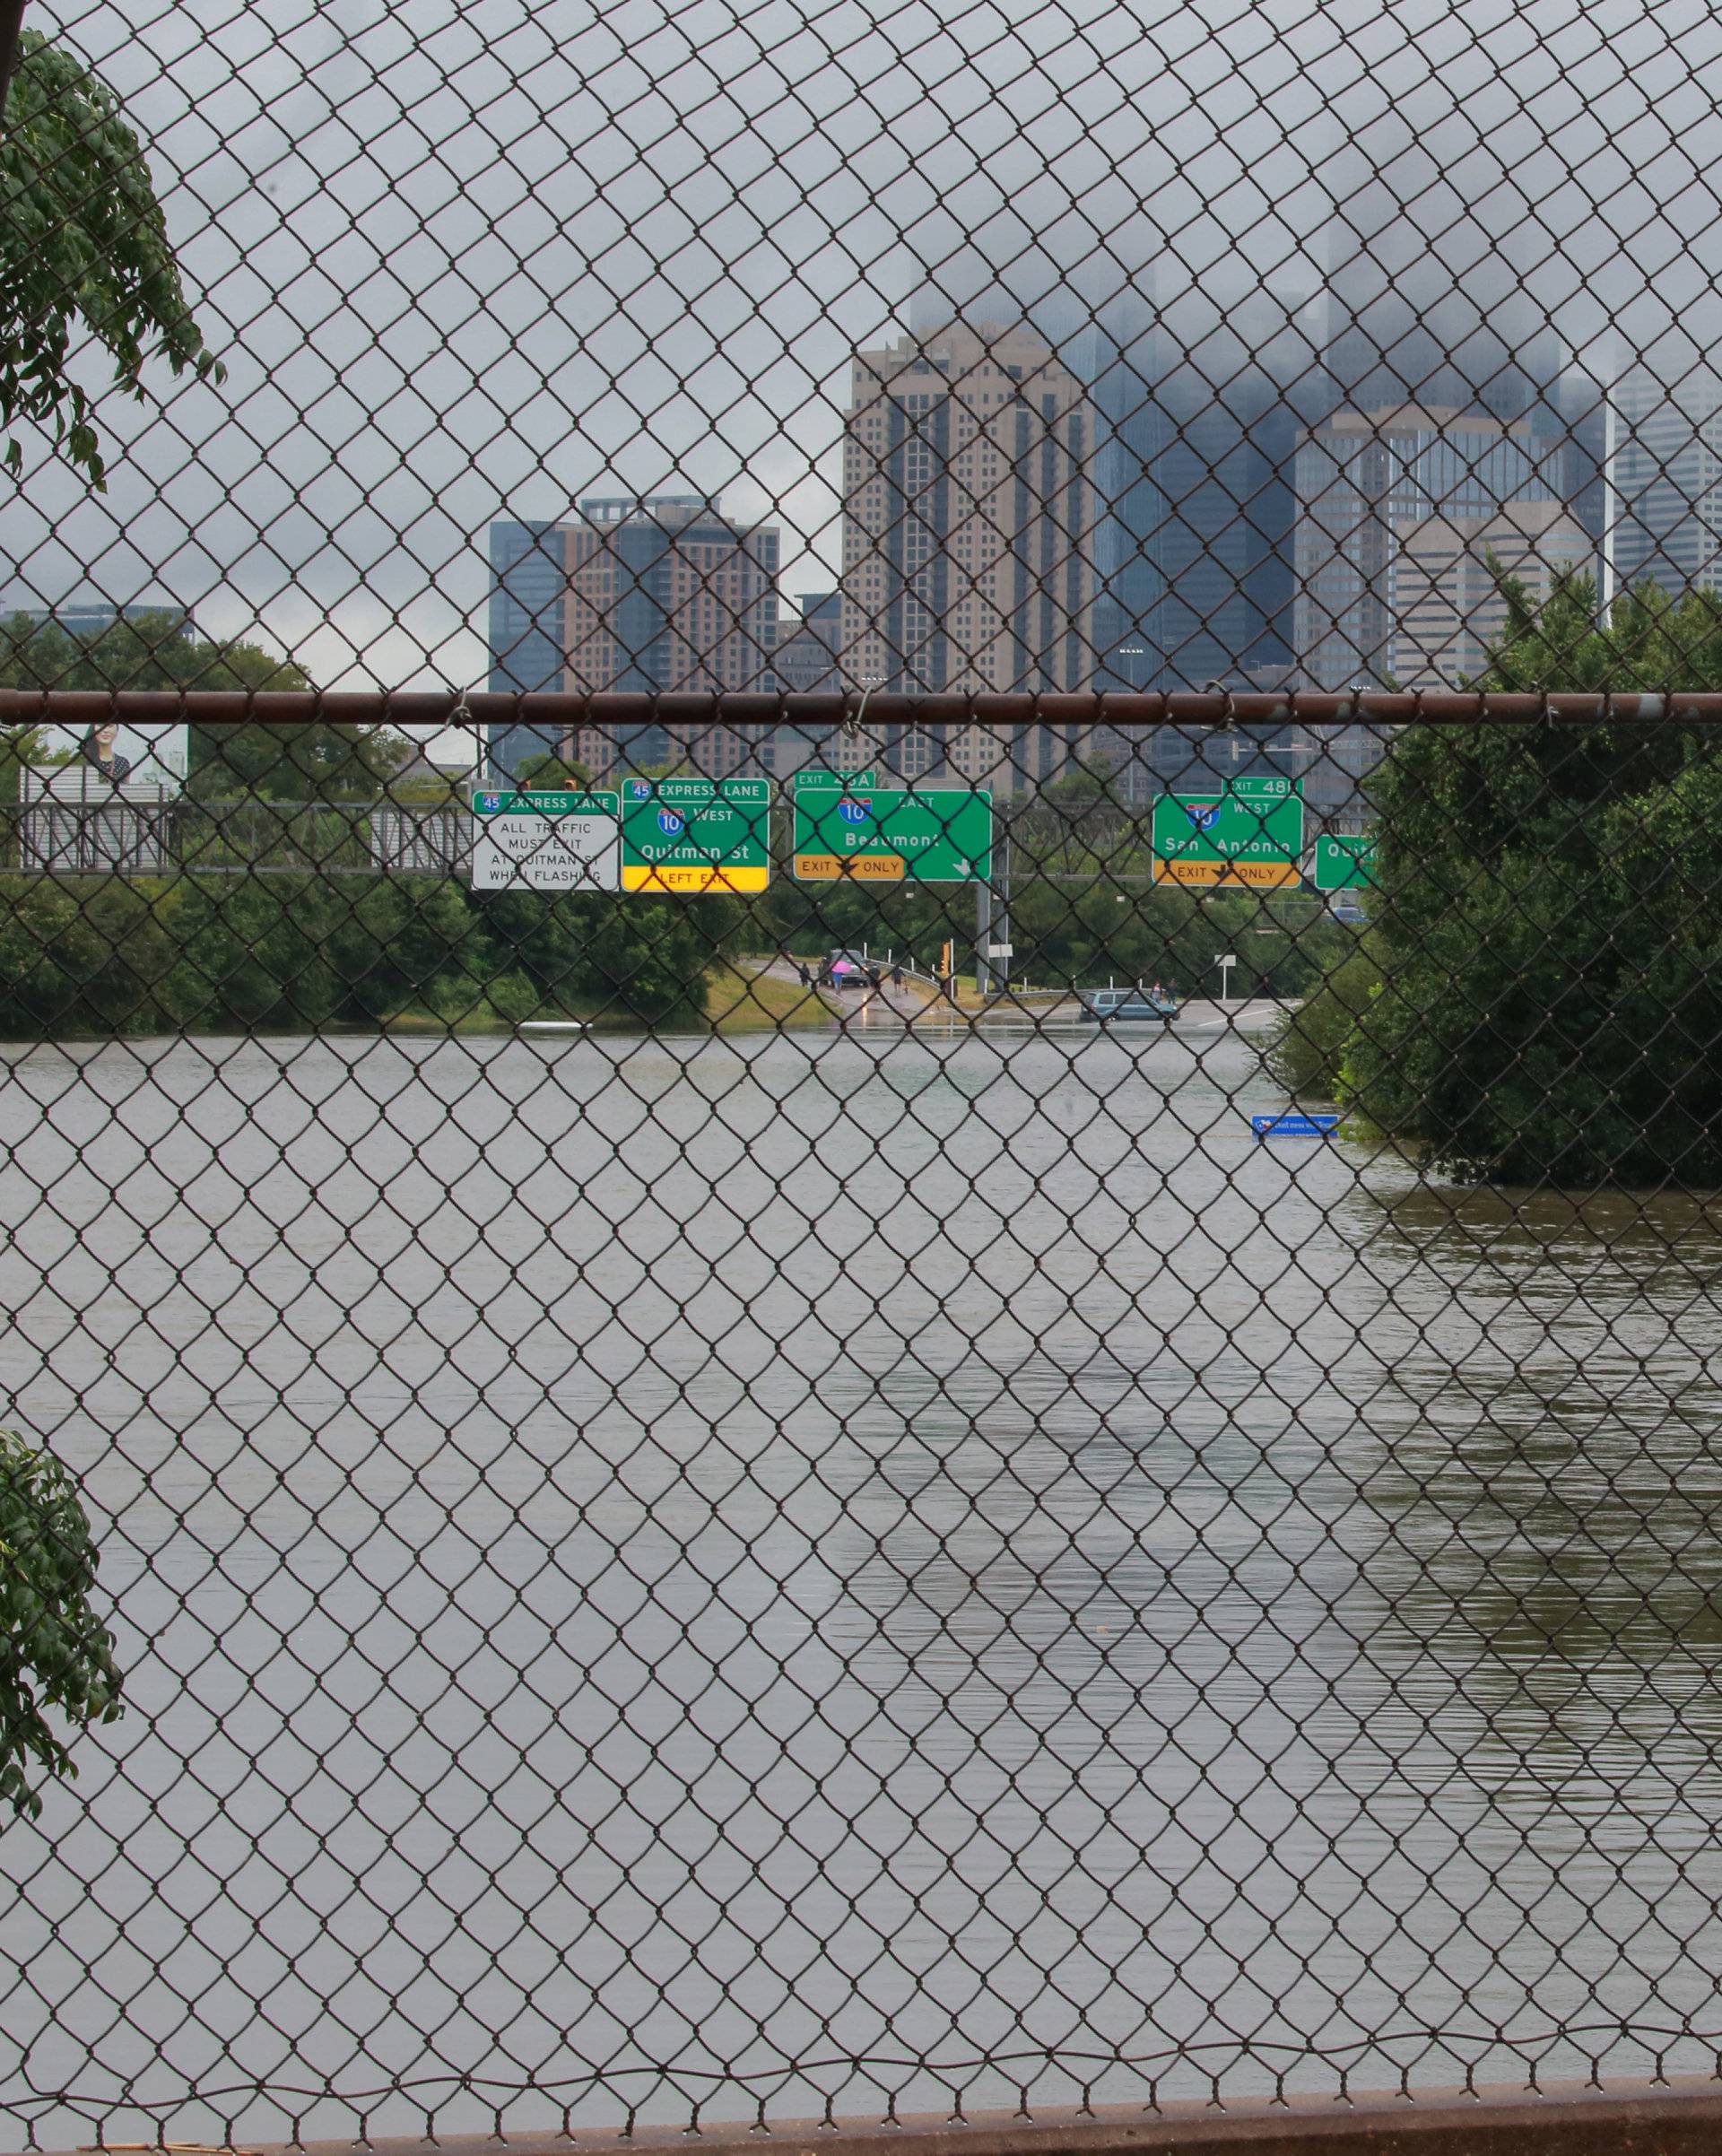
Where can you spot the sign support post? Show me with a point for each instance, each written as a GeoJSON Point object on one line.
{"type": "Point", "coordinates": [1002, 943]}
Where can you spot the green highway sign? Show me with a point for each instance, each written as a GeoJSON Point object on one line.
{"type": "Point", "coordinates": [1345, 861]}
{"type": "Point", "coordinates": [848, 827]}
{"type": "Point", "coordinates": [690, 835]}
{"type": "Point", "coordinates": [545, 842]}
{"type": "Point", "coordinates": [1248, 832]}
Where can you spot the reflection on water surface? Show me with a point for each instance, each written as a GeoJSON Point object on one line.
{"type": "Point", "coordinates": [755, 1555]}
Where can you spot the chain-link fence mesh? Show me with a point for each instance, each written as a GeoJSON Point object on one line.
{"type": "Point", "coordinates": [844, 1396]}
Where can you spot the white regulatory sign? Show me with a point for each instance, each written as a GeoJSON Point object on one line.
{"type": "Point", "coordinates": [547, 841]}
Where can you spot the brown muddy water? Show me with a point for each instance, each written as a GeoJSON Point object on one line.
{"type": "Point", "coordinates": [655, 1571]}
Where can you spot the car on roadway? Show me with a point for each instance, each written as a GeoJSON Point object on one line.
{"type": "Point", "coordinates": [849, 970]}
{"type": "Point", "coordinates": [1126, 1006]}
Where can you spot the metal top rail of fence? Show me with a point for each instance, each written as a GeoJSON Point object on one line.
{"type": "Point", "coordinates": [611, 710]}
{"type": "Point", "coordinates": [621, 1516]}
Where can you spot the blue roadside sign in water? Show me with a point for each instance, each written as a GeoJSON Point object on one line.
{"type": "Point", "coordinates": [1294, 1127]}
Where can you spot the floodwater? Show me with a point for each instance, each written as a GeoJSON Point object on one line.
{"type": "Point", "coordinates": [650, 1572]}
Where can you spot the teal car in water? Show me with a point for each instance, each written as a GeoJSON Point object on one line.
{"type": "Point", "coordinates": [1127, 1006]}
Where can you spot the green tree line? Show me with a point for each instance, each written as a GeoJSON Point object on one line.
{"type": "Point", "coordinates": [1539, 996]}
{"type": "Point", "coordinates": [1074, 931]}
{"type": "Point", "coordinates": [161, 649]}
{"type": "Point", "coordinates": [1084, 908]}
{"type": "Point", "coordinates": [288, 952]}
{"type": "Point", "coordinates": [293, 949]}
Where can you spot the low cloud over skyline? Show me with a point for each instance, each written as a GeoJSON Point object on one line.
{"type": "Point", "coordinates": [470, 261]}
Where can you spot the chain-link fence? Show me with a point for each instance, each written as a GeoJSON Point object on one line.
{"type": "Point", "coordinates": [859, 965]}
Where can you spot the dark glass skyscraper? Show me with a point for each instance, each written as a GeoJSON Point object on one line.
{"type": "Point", "coordinates": [1194, 472]}
{"type": "Point", "coordinates": [1225, 555]}
{"type": "Point", "coordinates": [1193, 468]}
{"type": "Point", "coordinates": [528, 581]}
{"type": "Point", "coordinates": [1130, 438]}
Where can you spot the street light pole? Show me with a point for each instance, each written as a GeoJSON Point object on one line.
{"type": "Point", "coordinates": [992, 915]}
{"type": "Point", "coordinates": [1132, 652]}
{"type": "Point", "coordinates": [1002, 940]}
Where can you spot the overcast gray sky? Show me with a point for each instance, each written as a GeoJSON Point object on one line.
{"type": "Point", "coordinates": [467, 258]}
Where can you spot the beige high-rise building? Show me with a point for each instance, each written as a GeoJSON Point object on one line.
{"type": "Point", "coordinates": [665, 592]}
{"type": "Point", "coordinates": [969, 515]}
{"type": "Point", "coordinates": [1402, 514]}
{"type": "Point", "coordinates": [1448, 601]}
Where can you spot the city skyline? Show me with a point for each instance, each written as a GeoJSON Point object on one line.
{"type": "Point", "coordinates": [1661, 442]}
{"type": "Point", "coordinates": [332, 496]}
{"type": "Point", "coordinates": [1207, 534]}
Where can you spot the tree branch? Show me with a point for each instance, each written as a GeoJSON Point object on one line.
{"type": "Point", "coordinates": [11, 23]}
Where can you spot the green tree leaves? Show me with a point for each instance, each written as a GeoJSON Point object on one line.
{"type": "Point", "coordinates": [1546, 931]}
{"type": "Point", "coordinates": [157, 650]}
{"type": "Point", "coordinates": [229, 759]}
{"type": "Point", "coordinates": [84, 246]}
{"type": "Point", "coordinates": [288, 952]}
{"type": "Point", "coordinates": [57, 1656]}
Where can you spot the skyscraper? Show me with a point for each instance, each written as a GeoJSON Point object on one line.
{"type": "Point", "coordinates": [1667, 475]}
{"type": "Point", "coordinates": [807, 660]}
{"type": "Point", "coordinates": [528, 582]}
{"type": "Point", "coordinates": [1193, 548]}
{"type": "Point", "coordinates": [1224, 475]}
{"type": "Point", "coordinates": [806, 655]}
{"type": "Point", "coordinates": [649, 593]}
{"type": "Point", "coordinates": [665, 592]}
{"type": "Point", "coordinates": [969, 525]}
{"type": "Point", "coordinates": [1197, 582]}
{"type": "Point", "coordinates": [1114, 359]}
{"type": "Point", "coordinates": [1430, 309]}
{"type": "Point", "coordinates": [1404, 514]}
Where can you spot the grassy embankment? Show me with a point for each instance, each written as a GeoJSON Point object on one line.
{"type": "Point", "coordinates": [742, 997]}
{"type": "Point", "coordinates": [737, 997]}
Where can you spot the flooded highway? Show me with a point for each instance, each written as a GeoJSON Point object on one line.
{"type": "Point", "coordinates": [932, 1549]}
